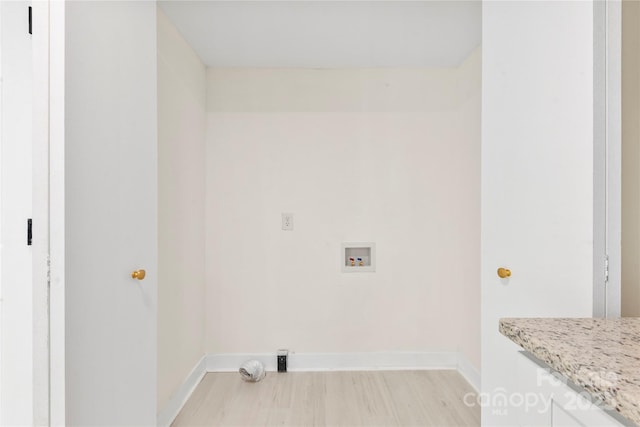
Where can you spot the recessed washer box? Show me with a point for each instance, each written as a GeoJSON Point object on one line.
{"type": "Point", "coordinates": [358, 257]}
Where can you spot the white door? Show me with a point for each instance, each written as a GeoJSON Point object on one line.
{"type": "Point", "coordinates": [16, 307]}
{"type": "Point", "coordinates": [537, 177]}
{"type": "Point", "coordinates": [110, 212]}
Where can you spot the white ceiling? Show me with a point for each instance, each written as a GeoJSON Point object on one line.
{"type": "Point", "coordinates": [328, 34]}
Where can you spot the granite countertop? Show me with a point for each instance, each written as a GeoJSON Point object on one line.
{"type": "Point", "coordinates": [600, 355]}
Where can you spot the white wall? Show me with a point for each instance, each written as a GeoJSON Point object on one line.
{"type": "Point", "coordinates": [537, 175]}
{"type": "Point", "coordinates": [630, 158]}
{"type": "Point", "coordinates": [181, 138]}
{"type": "Point", "coordinates": [383, 155]}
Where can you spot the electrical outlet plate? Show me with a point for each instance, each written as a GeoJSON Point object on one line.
{"type": "Point", "coordinates": [287, 221]}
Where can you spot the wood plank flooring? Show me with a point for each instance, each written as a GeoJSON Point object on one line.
{"type": "Point", "coordinates": [376, 398]}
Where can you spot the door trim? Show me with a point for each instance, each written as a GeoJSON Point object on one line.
{"type": "Point", "coordinates": [607, 147]}
{"type": "Point", "coordinates": [614, 157]}
{"type": "Point", "coordinates": [40, 212]}
{"type": "Point", "coordinates": [599, 157]}
{"type": "Point", "coordinates": [57, 355]}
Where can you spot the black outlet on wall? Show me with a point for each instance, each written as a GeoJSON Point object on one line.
{"type": "Point", "coordinates": [282, 360]}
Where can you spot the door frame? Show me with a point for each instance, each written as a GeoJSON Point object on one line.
{"type": "Point", "coordinates": [607, 183]}
{"type": "Point", "coordinates": [40, 211]}
{"type": "Point", "coordinates": [48, 213]}
{"type": "Point", "coordinates": [607, 158]}
{"type": "Point", "coordinates": [56, 133]}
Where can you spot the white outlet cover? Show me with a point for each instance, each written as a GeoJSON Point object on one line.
{"type": "Point", "coordinates": [287, 221]}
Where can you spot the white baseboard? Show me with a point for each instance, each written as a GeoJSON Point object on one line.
{"type": "Point", "coordinates": [309, 362]}
{"type": "Point", "coordinates": [301, 362]}
{"type": "Point", "coordinates": [177, 401]}
{"type": "Point", "coordinates": [469, 372]}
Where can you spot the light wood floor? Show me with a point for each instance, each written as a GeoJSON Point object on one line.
{"type": "Point", "coordinates": [379, 398]}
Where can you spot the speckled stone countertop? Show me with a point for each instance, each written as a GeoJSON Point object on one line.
{"type": "Point", "coordinates": [600, 355]}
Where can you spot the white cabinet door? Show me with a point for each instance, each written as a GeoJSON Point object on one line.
{"type": "Point", "coordinates": [571, 408]}
{"type": "Point", "coordinates": [546, 399]}
{"type": "Point", "coordinates": [110, 213]}
{"type": "Point", "coordinates": [562, 418]}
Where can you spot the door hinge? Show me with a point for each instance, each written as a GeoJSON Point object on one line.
{"type": "Point", "coordinates": [29, 232]}
{"type": "Point", "coordinates": [606, 269]}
